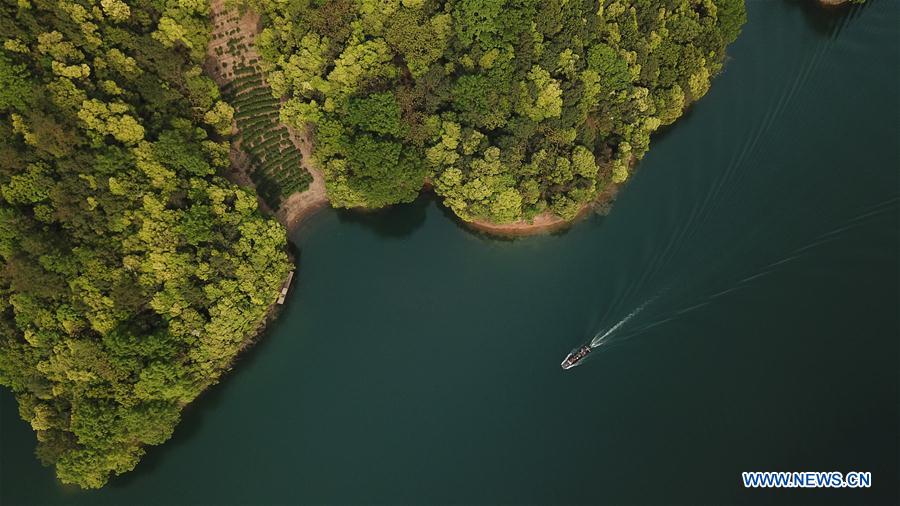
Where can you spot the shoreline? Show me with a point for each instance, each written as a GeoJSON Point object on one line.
{"type": "Point", "coordinates": [299, 206]}
{"type": "Point", "coordinates": [546, 222]}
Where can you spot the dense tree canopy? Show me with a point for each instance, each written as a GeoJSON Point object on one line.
{"type": "Point", "coordinates": [131, 274]}
{"type": "Point", "coordinates": [510, 107]}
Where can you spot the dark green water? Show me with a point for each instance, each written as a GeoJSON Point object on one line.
{"type": "Point", "coordinates": [417, 362]}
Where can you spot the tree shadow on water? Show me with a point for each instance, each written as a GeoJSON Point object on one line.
{"type": "Point", "coordinates": [666, 130]}
{"type": "Point", "coordinates": [194, 414]}
{"type": "Point", "coordinates": [394, 222]}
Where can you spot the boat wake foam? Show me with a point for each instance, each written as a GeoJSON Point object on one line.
{"type": "Point", "coordinates": [601, 336]}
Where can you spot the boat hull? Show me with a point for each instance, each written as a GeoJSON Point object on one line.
{"type": "Point", "coordinates": [575, 358]}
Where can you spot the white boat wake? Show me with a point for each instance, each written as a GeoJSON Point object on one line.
{"type": "Point", "coordinates": [601, 336]}
{"type": "Point", "coordinates": [606, 336]}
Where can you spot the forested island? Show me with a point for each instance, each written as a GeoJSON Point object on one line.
{"type": "Point", "coordinates": [134, 272]}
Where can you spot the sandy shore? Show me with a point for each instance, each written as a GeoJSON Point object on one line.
{"type": "Point", "coordinates": [546, 222]}
{"type": "Point", "coordinates": [543, 223]}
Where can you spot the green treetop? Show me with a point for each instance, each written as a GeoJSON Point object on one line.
{"type": "Point", "coordinates": [511, 107]}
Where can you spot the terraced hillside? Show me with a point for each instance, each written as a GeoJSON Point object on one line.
{"type": "Point", "coordinates": [266, 150]}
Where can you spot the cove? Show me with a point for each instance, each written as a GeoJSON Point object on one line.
{"type": "Point", "coordinates": [418, 362]}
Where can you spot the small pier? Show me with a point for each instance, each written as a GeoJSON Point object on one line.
{"type": "Point", "coordinates": [284, 288]}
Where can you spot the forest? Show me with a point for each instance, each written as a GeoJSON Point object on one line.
{"type": "Point", "coordinates": [132, 273]}
{"type": "Point", "coordinates": [508, 108]}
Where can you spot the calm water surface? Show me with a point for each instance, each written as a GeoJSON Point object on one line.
{"type": "Point", "coordinates": [417, 362]}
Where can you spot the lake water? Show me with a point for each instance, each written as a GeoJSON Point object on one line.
{"type": "Point", "coordinates": [418, 362]}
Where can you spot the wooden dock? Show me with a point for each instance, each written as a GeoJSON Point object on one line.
{"type": "Point", "coordinates": [284, 288]}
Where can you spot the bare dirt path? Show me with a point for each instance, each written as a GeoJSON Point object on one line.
{"type": "Point", "coordinates": [230, 25]}
{"type": "Point", "coordinates": [302, 204]}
